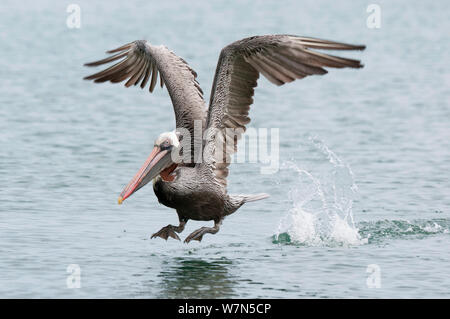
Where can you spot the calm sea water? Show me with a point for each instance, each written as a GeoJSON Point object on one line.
{"type": "Point", "coordinates": [361, 199]}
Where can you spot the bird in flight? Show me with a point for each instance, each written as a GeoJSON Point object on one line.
{"type": "Point", "coordinates": [196, 186]}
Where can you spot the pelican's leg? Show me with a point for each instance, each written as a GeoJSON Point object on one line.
{"type": "Point", "coordinates": [169, 230]}
{"type": "Point", "coordinates": [198, 234]}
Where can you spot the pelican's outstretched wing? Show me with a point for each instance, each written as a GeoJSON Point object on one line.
{"type": "Point", "coordinates": [281, 59]}
{"type": "Point", "coordinates": [141, 63]}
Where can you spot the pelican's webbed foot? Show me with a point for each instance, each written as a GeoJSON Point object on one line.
{"type": "Point", "coordinates": [169, 231]}
{"type": "Point", "coordinates": [198, 234]}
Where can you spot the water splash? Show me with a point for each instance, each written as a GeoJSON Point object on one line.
{"type": "Point", "coordinates": [322, 205]}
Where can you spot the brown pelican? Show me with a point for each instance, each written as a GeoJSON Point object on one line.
{"type": "Point", "coordinates": [197, 188]}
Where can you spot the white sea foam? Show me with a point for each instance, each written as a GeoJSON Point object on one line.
{"type": "Point", "coordinates": [435, 228]}
{"type": "Point", "coordinates": [322, 206]}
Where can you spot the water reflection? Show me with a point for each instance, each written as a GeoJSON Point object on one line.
{"type": "Point", "coordinates": [197, 278]}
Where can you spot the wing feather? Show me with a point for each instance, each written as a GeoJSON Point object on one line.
{"type": "Point", "coordinates": [141, 63]}
{"type": "Point", "coordinates": [279, 58]}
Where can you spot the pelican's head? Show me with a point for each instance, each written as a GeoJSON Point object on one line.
{"type": "Point", "coordinates": [158, 163]}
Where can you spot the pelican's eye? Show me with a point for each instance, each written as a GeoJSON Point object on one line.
{"type": "Point", "coordinates": [165, 145]}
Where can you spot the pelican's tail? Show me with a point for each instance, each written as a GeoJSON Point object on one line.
{"type": "Point", "coordinates": [236, 201]}
{"type": "Point", "coordinates": [245, 198]}
{"type": "Point", "coordinates": [254, 197]}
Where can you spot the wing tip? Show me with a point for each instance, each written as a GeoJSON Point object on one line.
{"type": "Point", "coordinates": [89, 77]}
{"type": "Point", "coordinates": [121, 48]}
{"type": "Point", "coordinates": [358, 65]}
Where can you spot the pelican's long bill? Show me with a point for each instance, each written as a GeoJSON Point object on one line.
{"type": "Point", "coordinates": [157, 161]}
